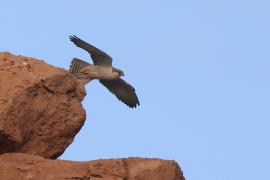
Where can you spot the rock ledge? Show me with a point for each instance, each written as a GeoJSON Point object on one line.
{"type": "Point", "coordinates": [16, 166]}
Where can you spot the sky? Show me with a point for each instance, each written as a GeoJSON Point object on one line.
{"type": "Point", "coordinates": [200, 69]}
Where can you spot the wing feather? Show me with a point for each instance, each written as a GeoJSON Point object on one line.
{"type": "Point", "coordinates": [122, 90]}
{"type": "Point", "coordinates": [99, 57]}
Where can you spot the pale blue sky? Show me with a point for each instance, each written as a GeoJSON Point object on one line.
{"type": "Point", "coordinates": [200, 68]}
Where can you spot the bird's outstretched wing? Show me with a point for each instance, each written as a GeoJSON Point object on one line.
{"type": "Point", "coordinates": [122, 90]}
{"type": "Point", "coordinates": [99, 57]}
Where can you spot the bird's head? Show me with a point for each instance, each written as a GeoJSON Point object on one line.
{"type": "Point", "coordinates": [119, 72]}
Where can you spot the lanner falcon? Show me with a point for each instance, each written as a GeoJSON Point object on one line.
{"type": "Point", "coordinates": [102, 70]}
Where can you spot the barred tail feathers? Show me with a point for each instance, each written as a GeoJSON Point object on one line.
{"type": "Point", "coordinates": [76, 66]}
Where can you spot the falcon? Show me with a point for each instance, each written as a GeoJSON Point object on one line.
{"type": "Point", "coordinates": [102, 70]}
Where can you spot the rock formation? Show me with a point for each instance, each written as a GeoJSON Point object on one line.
{"type": "Point", "coordinates": [29, 167]}
{"type": "Point", "coordinates": [40, 107]}
{"type": "Point", "coordinates": [40, 114]}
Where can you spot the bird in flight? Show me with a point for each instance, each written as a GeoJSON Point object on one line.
{"type": "Point", "coordinates": [102, 70]}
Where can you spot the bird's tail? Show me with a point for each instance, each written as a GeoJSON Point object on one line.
{"type": "Point", "coordinates": [76, 69]}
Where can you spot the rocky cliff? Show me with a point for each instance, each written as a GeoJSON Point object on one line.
{"type": "Point", "coordinates": [40, 114]}
{"type": "Point", "coordinates": [40, 107]}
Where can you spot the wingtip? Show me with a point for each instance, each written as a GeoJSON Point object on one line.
{"type": "Point", "coordinates": [134, 105]}
{"type": "Point", "coordinates": [73, 37]}
{"type": "Point", "coordinates": [137, 104]}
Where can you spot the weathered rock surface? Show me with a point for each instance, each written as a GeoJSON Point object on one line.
{"type": "Point", "coordinates": [16, 166]}
{"type": "Point", "coordinates": [40, 107]}
{"type": "Point", "coordinates": [40, 113]}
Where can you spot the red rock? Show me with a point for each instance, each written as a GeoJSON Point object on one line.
{"type": "Point", "coordinates": [40, 107]}
{"type": "Point", "coordinates": [16, 166]}
{"type": "Point", "coordinates": [40, 114]}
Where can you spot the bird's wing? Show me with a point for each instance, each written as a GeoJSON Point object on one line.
{"type": "Point", "coordinates": [122, 90]}
{"type": "Point", "coordinates": [99, 57]}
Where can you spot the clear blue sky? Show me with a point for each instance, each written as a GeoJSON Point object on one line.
{"type": "Point", "coordinates": [200, 68]}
